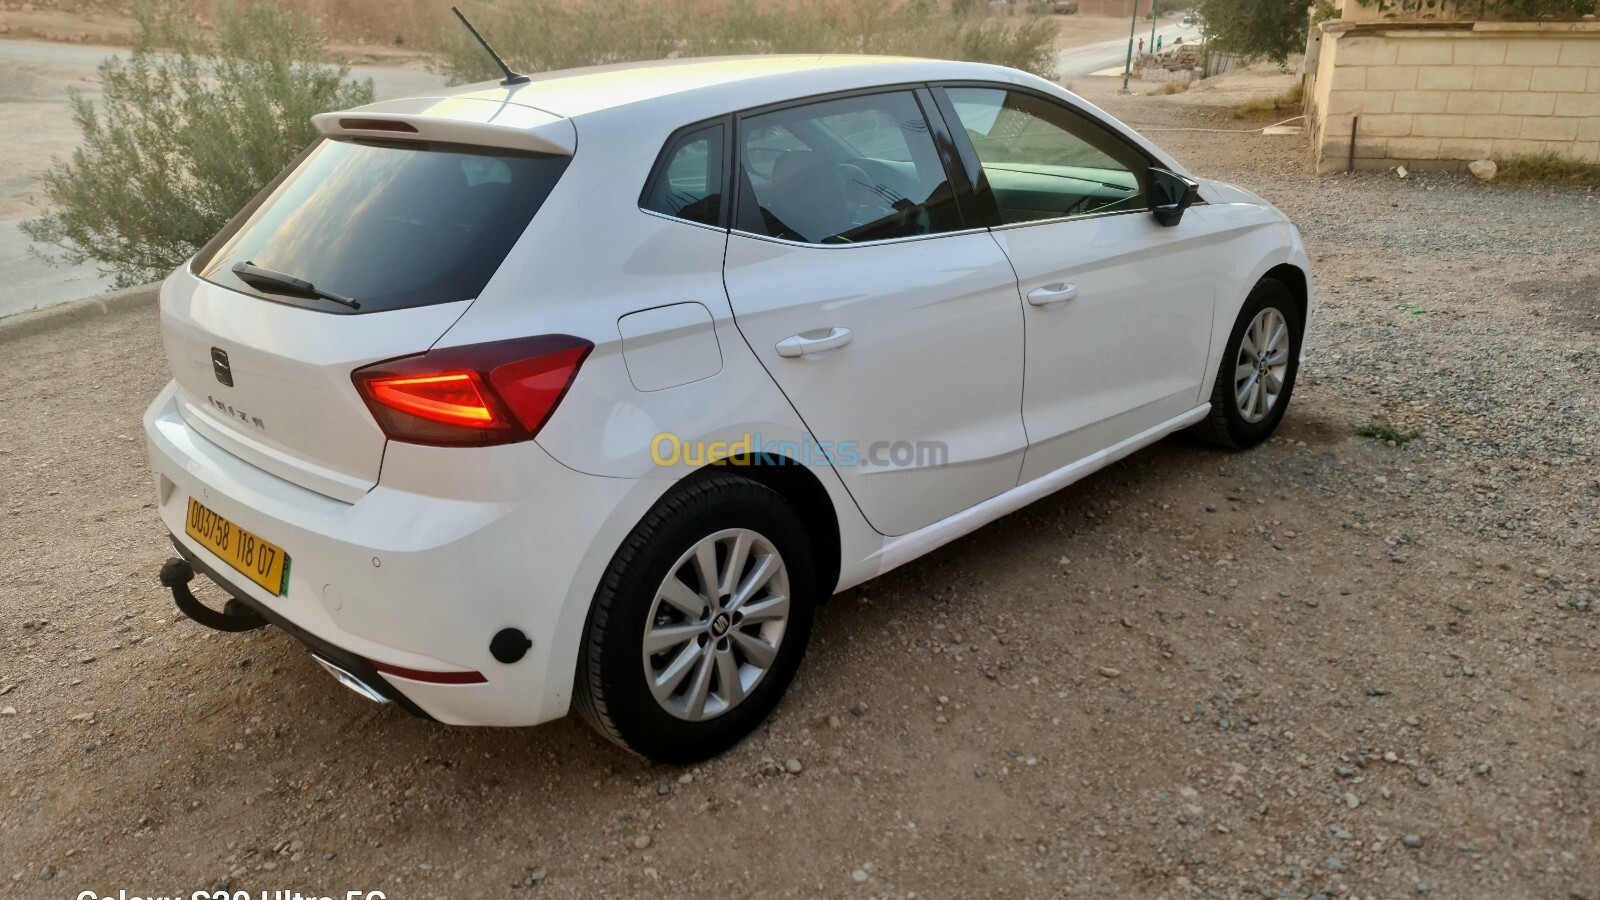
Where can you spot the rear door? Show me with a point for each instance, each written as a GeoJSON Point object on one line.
{"type": "Point", "coordinates": [1117, 308]}
{"type": "Point", "coordinates": [408, 231]}
{"type": "Point", "coordinates": [893, 329]}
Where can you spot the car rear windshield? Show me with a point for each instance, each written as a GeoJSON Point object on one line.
{"type": "Point", "coordinates": [387, 224]}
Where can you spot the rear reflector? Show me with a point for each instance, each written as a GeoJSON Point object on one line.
{"type": "Point", "coordinates": [429, 677]}
{"type": "Point", "coordinates": [482, 394]}
{"type": "Point", "coordinates": [377, 125]}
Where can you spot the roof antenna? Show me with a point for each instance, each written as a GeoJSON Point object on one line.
{"type": "Point", "coordinates": [511, 77]}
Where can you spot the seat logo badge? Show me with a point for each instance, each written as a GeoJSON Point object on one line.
{"type": "Point", "coordinates": [720, 625]}
{"type": "Point", "coordinates": [219, 365]}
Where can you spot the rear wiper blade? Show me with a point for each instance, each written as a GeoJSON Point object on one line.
{"type": "Point", "coordinates": [267, 279]}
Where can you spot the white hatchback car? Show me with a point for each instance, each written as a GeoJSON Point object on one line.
{"type": "Point", "coordinates": [584, 391]}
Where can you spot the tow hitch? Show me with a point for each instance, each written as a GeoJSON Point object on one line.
{"type": "Point", "coordinates": [235, 616]}
{"type": "Point", "coordinates": [353, 671]}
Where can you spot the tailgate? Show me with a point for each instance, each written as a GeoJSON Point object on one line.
{"type": "Point", "coordinates": [291, 408]}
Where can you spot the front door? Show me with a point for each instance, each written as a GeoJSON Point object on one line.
{"type": "Point", "coordinates": [896, 335]}
{"type": "Point", "coordinates": [1117, 308]}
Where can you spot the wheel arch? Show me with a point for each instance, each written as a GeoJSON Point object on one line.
{"type": "Point", "coordinates": [1293, 277]}
{"type": "Point", "coordinates": [801, 488]}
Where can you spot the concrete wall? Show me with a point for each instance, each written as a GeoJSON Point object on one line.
{"type": "Point", "coordinates": [1438, 95]}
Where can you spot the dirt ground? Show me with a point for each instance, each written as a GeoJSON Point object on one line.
{"type": "Point", "coordinates": [1077, 31]}
{"type": "Point", "coordinates": [1330, 666]}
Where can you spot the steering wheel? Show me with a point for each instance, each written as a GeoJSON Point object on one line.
{"type": "Point", "coordinates": [862, 195]}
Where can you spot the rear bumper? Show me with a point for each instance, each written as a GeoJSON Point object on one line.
{"type": "Point", "coordinates": [410, 583]}
{"type": "Point", "coordinates": [356, 666]}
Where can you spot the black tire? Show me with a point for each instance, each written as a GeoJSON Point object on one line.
{"type": "Point", "coordinates": [1227, 426]}
{"type": "Point", "coordinates": [611, 692]}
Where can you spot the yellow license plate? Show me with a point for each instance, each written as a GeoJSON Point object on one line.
{"type": "Point", "coordinates": [264, 563]}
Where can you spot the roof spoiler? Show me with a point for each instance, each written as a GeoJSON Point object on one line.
{"type": "Point", "coordinates": [456, 120]}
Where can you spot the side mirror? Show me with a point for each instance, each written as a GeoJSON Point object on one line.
{"type": "Point", "coordinates": [1170, 195]}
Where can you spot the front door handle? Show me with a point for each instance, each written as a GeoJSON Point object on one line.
{"type": "Point", "coordinates": [799, 345]}
{"type": "Point", "coordinates": [1052, 293]}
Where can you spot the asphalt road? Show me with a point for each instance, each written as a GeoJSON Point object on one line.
{"type": "Point", "coordinates": [36, 125]}
{"type": "Point", "coordinates": [1093, 58]}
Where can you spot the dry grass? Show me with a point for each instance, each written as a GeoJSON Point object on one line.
{"type": "Point", "coordinates": [540, 35]}
{"type": "Point", "coordinates": [1546, 168]}
{"type": "Point", "coordinates": [1172, 87]}
{"type": "Point", "coordinates": [1288, 100]}
{"type": "Point", "coordinates": [426, 24]}
{"type": "Point", "coordinates": [410, 23]}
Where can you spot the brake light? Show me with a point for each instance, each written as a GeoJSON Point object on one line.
{"type": "Point", "coordinates": [451, 399]}
{"type": "Point", "coordinates": [377, 125]}
{"type": "Point", "coordinates": [494, 393]}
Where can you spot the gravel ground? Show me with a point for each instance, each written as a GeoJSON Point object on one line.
{"type": "Point", "coordinates": [1331, 666]}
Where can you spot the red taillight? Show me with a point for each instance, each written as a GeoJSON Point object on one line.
{"type": "Point", "coordinates": [482, 394]}
{"type": "Point", "coordinates": [451, 399]}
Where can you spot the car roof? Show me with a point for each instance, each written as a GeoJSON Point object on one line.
{"type": "Point", "coordinates": [752, 80]}
{"type": "Point", "coordinates": [576, 92]}
{"type": "Point", "coordinates": [541, 114]}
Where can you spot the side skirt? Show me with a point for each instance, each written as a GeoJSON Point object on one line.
{"type": "Point", "coordinates": [897, 551]}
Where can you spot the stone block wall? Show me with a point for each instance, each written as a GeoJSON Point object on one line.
{"type": "Point", "coordinates": [1438, 95]}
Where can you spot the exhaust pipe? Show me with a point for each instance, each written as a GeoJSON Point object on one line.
{"type": "Point", "coordinates": [350, 681]}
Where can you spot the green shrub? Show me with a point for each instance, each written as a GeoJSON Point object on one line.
{"type": "Point", "coordinates": [1489, 10]}
{"type": "Point", "coordinates": [1270, 29]}
{"type": "Point", "coordinates": [190, 127]}
{"type": "Point", "coordinates": [542, 35]}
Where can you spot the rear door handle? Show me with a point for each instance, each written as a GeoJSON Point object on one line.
{"type": "Point", "coordinates": [799, 345]}
{"type": "Point", "coordinates": [1052, 293]}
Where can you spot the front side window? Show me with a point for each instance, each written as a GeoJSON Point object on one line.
{"type": "Point", "coordinates": [844, 171]}
{"type": "Point", "coordinates": [689, 185]}
{"type": "Point", "coordinates": [1044, 161]}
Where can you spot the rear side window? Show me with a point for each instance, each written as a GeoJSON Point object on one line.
{"type": "Point", "coordinates": [688, 180]}
{"type": "Point", "coordinates": [844, 171]}
{"type": "Point", "coordinates": [388, 224]}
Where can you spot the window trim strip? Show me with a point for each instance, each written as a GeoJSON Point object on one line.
{"type": "Point", "coordinates": [979, 229]}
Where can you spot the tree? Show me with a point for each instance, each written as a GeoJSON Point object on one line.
{"type": "Point", "coordinates": [1255, 28]}
{"type": "Point", "coordinates": [189, 129]}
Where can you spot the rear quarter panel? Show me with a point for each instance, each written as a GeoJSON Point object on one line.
{"type": "Point", "coordinates": [591, 257]}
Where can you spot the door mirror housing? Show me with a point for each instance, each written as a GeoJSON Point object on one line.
{"type": "Point", "coordinates": [1170, 195]}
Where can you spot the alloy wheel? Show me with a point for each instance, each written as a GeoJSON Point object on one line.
{"type": "Point", "coordinates": [716, 624]}
{"type": "Point", "coordinates": [1262, 365]}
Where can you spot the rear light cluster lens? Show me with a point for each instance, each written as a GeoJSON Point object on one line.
{"type": "Point", "coordinates": [495, 393]}
{"type": "Point", "coordinates": [451, 399]}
